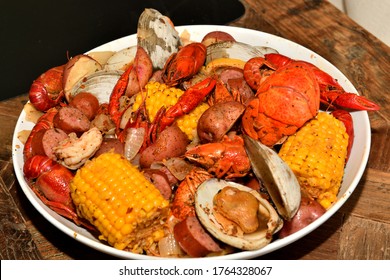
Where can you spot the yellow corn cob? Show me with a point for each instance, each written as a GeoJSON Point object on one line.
{"type": "Point", "coordinates": [119, 201]}
{"type": "Point", "coordinates": [316, 154]}
{"type": "Point", "coordinates": [158, 95]}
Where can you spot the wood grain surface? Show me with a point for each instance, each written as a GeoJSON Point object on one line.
{"type": "Point", "coordinates": [359, 230]}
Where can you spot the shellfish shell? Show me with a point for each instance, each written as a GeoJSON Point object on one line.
{"type": "Point", "coordinates": [121, 59]}
{"type": "Point", "coordinates": [100, 84]}
{"type": "Point", "coordinates": [279, 180]}
{"type": "Point", "coordinates": [248, 241]}
{"type": "Point", "coordinates": [236, 50]}
{"type": "Point", "coordinates": [157, 35]}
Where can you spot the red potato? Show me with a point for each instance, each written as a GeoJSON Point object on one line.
{"type": "Point", "coordinates": [45, 140]}
{"type": "Point", "coordinates": [171, 142]}
{"type": "Point", "coordinates": [112, 145]}
{"type": "Point", "coordinates": [87, 103]}
{"type": "Point", "coordinates": [217, 120]}
{"type": "Point", "coordinates": [71, 119]}
{"type": "Point", "coordinates": [77, 68]}
{"type": "Point", "coordinates": [193, 239]}
{"type": "Point", "coordinates": [216, 36]}
{"type": "Point", "coordinates": [309, 211]}
{"type": "Point", "coordinates": [142, 70]}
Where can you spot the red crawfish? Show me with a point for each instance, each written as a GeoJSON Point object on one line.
{"type": "Point", "coordinates": [184, 64]}
{"type": "Point", "coordinates": [47, 90]}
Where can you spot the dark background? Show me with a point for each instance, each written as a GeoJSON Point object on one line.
{"type": "Point", "coordinates": [38, 35]}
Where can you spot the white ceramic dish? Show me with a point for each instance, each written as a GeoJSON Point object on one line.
{"type": "Point", "coordinates": [354, 169]}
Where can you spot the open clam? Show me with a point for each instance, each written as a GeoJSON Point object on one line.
{"type": "Point", "coordinates": [235, 50]}
{"type": "Point", "coordinates": [276, 176]}
{"type": "Point", "coordinates": [225, 227]}
{"type": "Point", "coordinates": [121, 59]}
{"type": "Point", "coordinates": [100, 84]}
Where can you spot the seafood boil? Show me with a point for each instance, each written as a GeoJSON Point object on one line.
{"type": "Point", "coordinates": [206, 153]}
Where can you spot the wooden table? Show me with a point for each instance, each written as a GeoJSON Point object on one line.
{"type": "Point", "coordinates": [359, 230]}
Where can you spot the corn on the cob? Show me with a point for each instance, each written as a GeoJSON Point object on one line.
{"type": "Point", "coordinates": [158, 95]}
{"type": "Point", "coordinates": [120, 202]}
{"type": "Point", "coordinates": [316, 154]}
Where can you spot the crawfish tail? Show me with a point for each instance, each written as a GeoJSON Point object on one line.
{"type": "Point", "coordinates": [36, 165]}
{"type": "Point", "coordinates": [47, 90]}
{"type": "Point", "coordinates": [278, 60]}
{"type": "Point", "coordinates": [44, 122]}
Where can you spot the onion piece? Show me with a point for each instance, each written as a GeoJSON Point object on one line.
{"type": "Point", "coordinates": [133, 142]}
{"type": "Point", "coordinates": [178, 167]}
{"type": "Point", "coordinates": [169, 247]}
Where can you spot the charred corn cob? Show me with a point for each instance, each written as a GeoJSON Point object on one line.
{"type": "Point", "coordinates": [158, 95]}
{"type": "Point", "coordinates": [119, 201]}
{"type": "Point", "coordinates": [316, 154]}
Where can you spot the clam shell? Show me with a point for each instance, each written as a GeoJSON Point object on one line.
{"type": "Point", "coordinates": [121, 59]}
{"type": "Point", "coordinates": [204, 209]}
{"type": "Point", "coordinates": [100, 84]}
{"type": "Point", "coordinates": [266, 50]}
{"type": "Point", "coordinates": [157, 35]}
{"type": "Point", "coordinates": [279, 180]}
{"type": "Point", "coordinates": [232, 49]}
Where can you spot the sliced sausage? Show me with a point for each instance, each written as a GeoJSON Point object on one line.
{"type": "Point", "coordinates": [172, 179]}
{"type": "Point", "coordinates": [45, 140]}
{"type": "Point", "coordinates": [87, 103]}
{"type": "Point", "coordinates": [71, 119]}
{"type": "Point", "coordinates": [160, 180]}
{"type": "Point", "coordinates": [193, 239]}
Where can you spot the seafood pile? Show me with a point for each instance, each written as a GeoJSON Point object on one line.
{"type": "Point", "coordinates": [196, 128]}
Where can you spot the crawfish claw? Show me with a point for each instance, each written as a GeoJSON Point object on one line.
{"type": "Point", "coordinates": [348, 101]}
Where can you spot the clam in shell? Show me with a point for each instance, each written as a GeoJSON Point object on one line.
{"type": "Point", "coordinates": [277, 177]}
{"type": "Point", "coordinates": [232, 49]}
{"type": "Point", "coordinates": [230, 233]}
{"type": "Point", "coordinates": [121, 59]}
{"type": "Point", "coordinates": [100, 84]}
{"type": "Point", "coordinates": [157, 35]}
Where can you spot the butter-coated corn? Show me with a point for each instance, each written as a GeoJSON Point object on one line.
{"type": "Point", "coordinates": [115, 197]}
{"type": "Point", "coordinates": [158, 95]}
{"type": "Point", "coordinates": [317, 154]}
